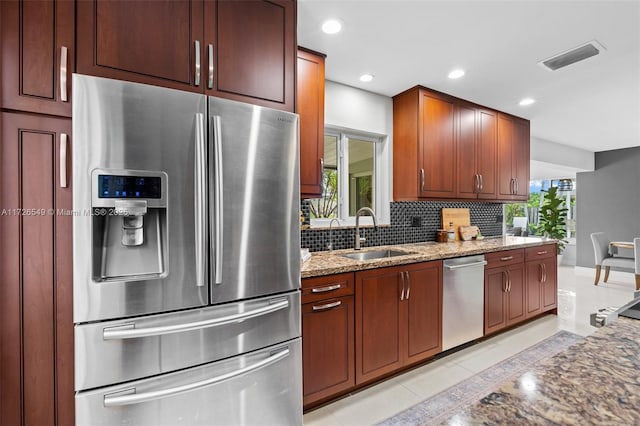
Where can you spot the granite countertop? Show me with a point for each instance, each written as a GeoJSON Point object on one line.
{"type": "Point", "coordinates": [331, 262]}
{"type": "Point", "coordinates": [596, 381]}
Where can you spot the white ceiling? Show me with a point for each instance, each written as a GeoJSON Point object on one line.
{"type": "Point", "coordinates": [593, 104]}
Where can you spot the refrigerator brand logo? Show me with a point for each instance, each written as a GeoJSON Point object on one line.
{"type": "Point", "coordinates": [286, 119]}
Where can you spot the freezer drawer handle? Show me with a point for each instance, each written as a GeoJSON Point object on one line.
{"type": "Point", "coordinates": [466, 265]}
{"type": "Point", "coordinates": [126, 331]}
{"type": "Point", "coordinates": [115, 401]}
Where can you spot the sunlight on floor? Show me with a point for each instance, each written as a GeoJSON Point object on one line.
{"type": "Point", "coordinates": [577, 299]}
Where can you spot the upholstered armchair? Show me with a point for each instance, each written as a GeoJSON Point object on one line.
{"type": "Point", "coordinates": [603, 257]}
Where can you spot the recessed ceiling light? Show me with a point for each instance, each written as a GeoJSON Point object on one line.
{"type": "Point", "coordinates": [527, 101]}
{"type": "Point", "coordinates": [365, 78]}
{"type": "Point", "coordinates": [456, 74]}
{"type": "Point", "coordinates": [331, 26]}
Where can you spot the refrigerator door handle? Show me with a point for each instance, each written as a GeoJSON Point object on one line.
{"type": "Point", "coordinates": [218, 199]}
{"type": "Point", "coordinates": [128, 331]}
{"type": "Point", "coordinates": [200, 202]}
{"type": "Point", "coordinates": [130, 397]}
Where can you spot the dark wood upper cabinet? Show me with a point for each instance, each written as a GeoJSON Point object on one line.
{"type": "Point", "coordinates": [38, 55]}
{"type": "Point", "coordinates": [310, 106]}
{"type": "Point", "coordinates": [254, 51]}
{"type": "Point", "coordinates": [235, 49]}
{"type": "Point", "coordinates": [448, 148]}
{"type": "Point", "coordinates": [513, 158]}
{"type": "Point", "coordinates": [155, 42]}
{"type": "Point", "coordinates": [36, 305]}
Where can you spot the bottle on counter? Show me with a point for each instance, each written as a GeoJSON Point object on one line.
{"type": "Point", "coordinates": [451, 233]}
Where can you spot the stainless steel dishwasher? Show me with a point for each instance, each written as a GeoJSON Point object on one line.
{"type": "Point", "coordinates": [463, 300]}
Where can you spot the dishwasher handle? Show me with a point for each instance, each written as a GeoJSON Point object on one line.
{"type": "Point", "coordinates": [466, 265]}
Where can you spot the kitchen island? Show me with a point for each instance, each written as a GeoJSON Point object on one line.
{"type": "Point", "coordinates": [593, 382]}
{"type": "Point", "coordinates": [334, 262]}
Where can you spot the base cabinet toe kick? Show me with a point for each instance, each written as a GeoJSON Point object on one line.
{"type": "Point", "coordinates": [361, 327]}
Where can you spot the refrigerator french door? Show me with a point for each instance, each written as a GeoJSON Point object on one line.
{"type": "Point", "coordinates": [186, 258]}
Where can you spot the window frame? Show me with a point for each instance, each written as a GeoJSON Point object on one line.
{"type": "Point", "coordinates": [381, 172]}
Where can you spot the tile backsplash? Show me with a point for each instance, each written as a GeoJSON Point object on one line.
{"type": "Point", "coordinates": [487, 216]}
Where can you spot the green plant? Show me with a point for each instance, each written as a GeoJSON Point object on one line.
{"type": "Point", "coordinates": [553, 218]}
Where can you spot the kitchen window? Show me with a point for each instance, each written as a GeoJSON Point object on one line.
{"type": "Point", "coordinates": [351, 178]}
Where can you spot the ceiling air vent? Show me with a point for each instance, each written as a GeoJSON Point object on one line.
{"type": "Point", "coordinates": [572, 56]}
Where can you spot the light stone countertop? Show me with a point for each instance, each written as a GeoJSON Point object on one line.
{"type": "Point", "coordinates": [332, 262]}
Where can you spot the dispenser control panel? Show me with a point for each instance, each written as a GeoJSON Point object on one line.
{"type": "Point", "coordinates": [113, 186]}
{"type": "Point", "coordinates": [110, 187]}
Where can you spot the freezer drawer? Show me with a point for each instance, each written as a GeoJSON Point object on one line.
{"type": "Point", "coordinates": [260, 388]}
{"type": "Point", "coordinates": [129, 349]}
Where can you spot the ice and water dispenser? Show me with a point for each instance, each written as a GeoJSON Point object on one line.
{"type": "Point", "coordinates": [129, 213]}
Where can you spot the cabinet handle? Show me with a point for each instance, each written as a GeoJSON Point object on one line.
{"type": "Point", "coordinates": [63, 160]}
{"type": "Point", "coordinates": [481, 183]}
{"type": "Point", "coordinates": [210, 78]}
{"type": "Point", "coordinates": [421, 180]}
{"type": "Point", "coordinates": [504, 281]}
{"type": "Point", "coordinates": [544, 269]}
{"type": "Point", "coordinates": [508, 281]}
{"type": "Point", "coordinates": [321, 175]}
{"type": "Point", "coordinates": [196, 79]}
{"type": "Point", "coordinates": [408, 283]}
{"type": "Point", "coordinates": [542, 252]}
{"type": "Point", "coordinates": [403, 283]}
{"type": "Point", "coordinates": [516, 185]}
{"type": "Point", "coordinates": [326, 306]}
{"type": "Point", "coordinates": [325, 289]}
{"type": "Point", "coordinates": [541, 273]}
{"type": "Point", "coordinates": [504, 259]}
{"type": "Point", "coordinates": [63, 74]}
{"type": "Point", "coordinates": [476, 183]}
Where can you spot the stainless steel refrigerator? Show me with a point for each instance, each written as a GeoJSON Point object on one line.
{"type": "Point", "coordinates": [186, 258]}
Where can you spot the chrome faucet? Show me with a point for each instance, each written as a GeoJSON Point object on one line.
{"type": "Point", "coordinates": [359, 240]}
{"type": "Point", "coordinates": [330, 243]}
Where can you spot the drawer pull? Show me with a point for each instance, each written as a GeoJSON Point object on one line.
{"type": "Point", "coordinates": [504, 259]}
{"type": "Point", "coordinates": [327, 306]}
{"type": "Point", "coordinates": [326, 289]}
{"type": "Point", "coordinates": [542, 252]}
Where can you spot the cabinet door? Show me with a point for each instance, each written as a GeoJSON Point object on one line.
{"type": "Point", "coordinates": [310, 106]}
{"type": "Point", "coordinates": [521, 155]}
{"type": "Point", "coordinates": [152, 42]}
{"type": "Point", "coordinates": [377, 323]}
{"type": "Point", "coordinates": [437, 150]}
{"type": "Point", "coordinates": [254, 51]}
{"type": "Point", "coordinates": [487, 126]}
{"type": "Point", "coordinates": [37, 55]}
{"type": "Point", "coordinates": [533, 287]}
{"type": "Point", "coordinates": [550, 284]}
{"type": "Point", "coordinates": [468, 181]}
{"type": "Point", "coordinates": [506, 181]}
{"type": "Point", "coordinates": [423, 305]}
{"type": "Point", "coordinates": [495, 307]}
{"type": "Point", "coordinates": [515, 294]}
{"type": "Point", "coordinates": [36, 320]}
{"type": "Point", "coordinates": [327, 348]}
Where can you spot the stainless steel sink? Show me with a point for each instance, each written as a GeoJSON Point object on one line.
{"type": "Point", "coordinates": [378, 254]}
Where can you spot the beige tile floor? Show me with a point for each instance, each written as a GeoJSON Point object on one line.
{"type": "Point", "coordinates": [577, 298]}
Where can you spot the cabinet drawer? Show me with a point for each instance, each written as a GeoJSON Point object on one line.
{"type": "Point", "coordinates": [330, 286]}
{"type": "Point", "coordinates": [540, 252]}
{"type": "Point", "coordinates": [504, 258]}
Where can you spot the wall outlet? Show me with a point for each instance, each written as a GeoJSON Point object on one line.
{"type": "Point", "coordinates": [416, 221]}
{"type": "Point", "coordinates": [499, 218]}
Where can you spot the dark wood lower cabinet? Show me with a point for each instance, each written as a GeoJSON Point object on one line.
{"type": "Point", "coordinates": [327, 348]}
{"type": "Point", "coordinates": [541, 279]}
{"type": "Point", "coordinates": [504, 297]}
{"type": "Point", "coordinates": [398, 318]}
{"type": "Point", "coordinates": [36, 307]}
